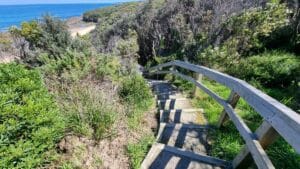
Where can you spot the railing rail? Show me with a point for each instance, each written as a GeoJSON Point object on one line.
{"type": "Point", "coordinates": [278, 118]}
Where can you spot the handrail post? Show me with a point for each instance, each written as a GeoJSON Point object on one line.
{"type": "Point", "coordinates": [198, 77]}
{"type": "Point", "coordinates": [266, 135]}
{"type": "Point", "coordinates": [232, 100]}
{"type": "Point", "coordinates": [173, 68]}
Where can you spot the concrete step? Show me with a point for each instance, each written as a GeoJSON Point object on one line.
{"type": "Point", "coordinates": [186, 136]}
{"type": "Point", "coordinates": [178, 103]}
{"type": "Point", "coordinates": [165, 157]}
{"type": "Point", "coordinates": [169, 95]}
{"type": "Point", "coordinates": [185, 116]}
{"type": "Point", "coordinates": [162, 87]}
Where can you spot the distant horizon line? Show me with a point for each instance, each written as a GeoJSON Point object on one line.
{"type": "Point", "coordinates": [74, 3]}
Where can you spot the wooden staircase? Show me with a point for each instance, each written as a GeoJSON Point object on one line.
{"type": "Point", "coordinates": [182, 137]}
{"type": "Point", "coordinates": [181, 140]}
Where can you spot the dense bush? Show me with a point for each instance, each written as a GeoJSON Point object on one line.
{"type": "Point", "coordinates": [70, 61]}
{"type": "Point", "coordinates": [134, 91]}
{"type": "Point", "coordinates": [108, 66]}
{"type": "Point", "coordinates": [49, 35]}
{"type": "Point", "coordinates": [137, 98]}
{"type": "Point", "coordinates": [30, 123]}
{"type": "Point", "coordinates": [110, 14]}
{"type": "Point", "coordinates": [270, 69]}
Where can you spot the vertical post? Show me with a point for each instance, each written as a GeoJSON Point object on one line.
{"type": "Point", "coordinates": [232, 100]}
{"type": "Point", "coordinates": [266, 135]}
{"type": "Point", "coordinates": [198, 77]}
{"type": "Point", "coordinates": [173, 68]}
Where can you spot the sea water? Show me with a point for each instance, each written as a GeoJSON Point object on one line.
{"type": "Point", "coordinates": [14, 15]}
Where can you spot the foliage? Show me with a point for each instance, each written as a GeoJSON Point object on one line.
{"type": "Point", "coordinates": [30, 120]}
{"type": "Point", "coordinates": [109, 15]}
{"type": "Point", "coordinates": [73, 62]}
{"type": "Point", "coordinates": [108, 66]}
{"type": "Point", "coordinates": [138, 151]}
{"type": "Point", "coordinates": [279, 69]}
{"type": "Point", "coordinates": [115, 23]}
{"type": "Point", "coordinates": [88, 112]}
{"type": "Point", "coordinates": [137, 97]}
{"type": "Point", "coordinates": [31, 31]}
{"type": "Point", "coordinates": [134, 91]}
{"type": "Point", "coordinates": [184, 27]}
{"type": "Point", "coordinates": [50, 35]}
{"type": "Point", "coordinates": [252, 28]}
{"type": "Point", "coordinates": [246, 34]}
{"type": "Point", "coordinates": [5, 43]}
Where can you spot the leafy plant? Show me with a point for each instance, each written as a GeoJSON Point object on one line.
{"type": "Point", "coordinates": [273, 69]}
{"type": "Point", "coordinates": [134, 91]}
{"type": "Point", "coordinates": [30, 120]}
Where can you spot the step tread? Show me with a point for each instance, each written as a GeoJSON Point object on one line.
{"type": "Point", "coordinates": [185, 116]}
{"type": "Point", "coordinates": [187, 136]}
{"type": "Point", "coordinates": [179, 103]}
{"type": "Point", "coordinates": [161, 156]}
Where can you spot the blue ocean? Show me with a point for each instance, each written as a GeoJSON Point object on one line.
{"type": "Point", "coordinates": [11, 15]}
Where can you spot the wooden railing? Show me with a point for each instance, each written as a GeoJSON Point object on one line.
{"type": "Point", "coordinates": [278, 119]}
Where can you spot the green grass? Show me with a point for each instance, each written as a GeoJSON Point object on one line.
{"type": "Point", "coordinates": [227, 142]}
{"type": "Point", "coordinates": [138, 151]}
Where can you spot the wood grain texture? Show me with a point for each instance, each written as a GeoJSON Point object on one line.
{"type": "Point", "coordinates": [232, 100]}
{"type": "Point", "coordinates": [266, 136]}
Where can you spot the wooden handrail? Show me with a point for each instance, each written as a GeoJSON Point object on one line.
{"type": "Point", "coordinates": [278, 116]}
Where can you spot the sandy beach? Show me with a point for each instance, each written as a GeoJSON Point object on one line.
{"type": "Point", "coordinates": [82, 30]}
{"type": "Point", "coordinates": [78, 27]}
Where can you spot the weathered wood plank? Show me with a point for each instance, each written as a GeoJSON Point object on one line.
{"type": "Point", "coordinates": [266, 135]}
{"type": "Point", "coordinates": [260, 157]}
{"type": "Point", "coordinates": [285, 121]}
{"type": "Point", "coordinates": [232, 100]}
{"type": "Point", "coordinates": [197, 77]}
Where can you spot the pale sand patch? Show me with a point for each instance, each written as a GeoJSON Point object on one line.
{"type": "Point", "coordinates": [6, 58]}
{"type": "Point", "coordinates": [81, 30]}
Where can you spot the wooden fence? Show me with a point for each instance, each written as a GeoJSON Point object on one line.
{"type": "Point", "coordinates": [279, 120]}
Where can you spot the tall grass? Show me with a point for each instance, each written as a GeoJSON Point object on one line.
{"type": "Point", "coordinates": [137, 96]}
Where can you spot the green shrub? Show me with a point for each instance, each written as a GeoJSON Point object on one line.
{"type": "Point", "coordinates": [270, 68]}
{"type": "Point", "coordinates": [134, 91]}
{"type": "Point", "coordinates": [110, 14]}
{"type": "Point", "coordinates": [108, 66]}
{"type": "Point", "coordinates": [137, 98]}
{"type": "Point", "coordinates": [30, 123]}
{"type": "Point", "coordinates": [74, 63]}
